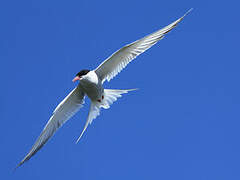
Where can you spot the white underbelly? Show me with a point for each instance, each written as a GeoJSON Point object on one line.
{"type": "Point", "coordinates": [93, 91]}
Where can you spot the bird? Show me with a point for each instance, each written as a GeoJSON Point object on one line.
{"type": "Point", "coordinates": [91, 85]}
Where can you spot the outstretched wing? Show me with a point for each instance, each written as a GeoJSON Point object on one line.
{"type": "Point", "coordinates": [119, 60]}
{"type": "Point", "coordinates": [64, 111]}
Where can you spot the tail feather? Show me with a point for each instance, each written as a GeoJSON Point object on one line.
{"type": "Point", "coordinates": [110, 96]}
{"type": "Point", "coordinates": [94, 111]}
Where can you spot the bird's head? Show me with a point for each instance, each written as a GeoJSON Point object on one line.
{"type": "Point", "coordinates": [80, 75]}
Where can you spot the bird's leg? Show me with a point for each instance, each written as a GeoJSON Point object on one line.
{"type": "Point", "coordinates": [100, 100]}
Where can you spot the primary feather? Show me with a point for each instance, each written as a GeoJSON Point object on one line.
{"type": "Point", "coordinates": [64, 111]}
{"type": "Point", "coordinates": [114, 64]}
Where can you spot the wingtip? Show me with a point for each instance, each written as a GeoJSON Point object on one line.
{"type": "Point", "coordinates": [24, 160]}
{"type": "Point", "coordinates": [135, 89]}
{"type": "Point", "coordinates": [19, 164]}
{"type": "Point", "coordinates": [188, 12]}
{"type": "Point", "coordinates": [181, 18]}
{"type": "Point", "coordinates": [14, 169]}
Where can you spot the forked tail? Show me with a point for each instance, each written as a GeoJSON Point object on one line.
{"type": "Point", "coordinates": [109, 96]}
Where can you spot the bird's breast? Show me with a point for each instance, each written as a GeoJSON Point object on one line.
{"type": "Point", "coordinates": [92, 86]}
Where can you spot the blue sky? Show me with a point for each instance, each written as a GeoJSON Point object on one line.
{"type": "Point", "coordinates": [182, 123]}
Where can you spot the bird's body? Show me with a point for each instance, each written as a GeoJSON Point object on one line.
{"type": "Point", "coordinates": [91, 85]}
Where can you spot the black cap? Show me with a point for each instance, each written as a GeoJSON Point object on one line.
{"type": "Point", "coordinates": [82, 72]}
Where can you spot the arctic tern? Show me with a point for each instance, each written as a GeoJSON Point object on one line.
{"type": "Point", "coordinates": [90, 84]}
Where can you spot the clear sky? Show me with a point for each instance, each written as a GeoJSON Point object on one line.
{"type": "Point", "coordinates": [182, 123]}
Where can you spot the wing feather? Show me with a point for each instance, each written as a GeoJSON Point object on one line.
{"type": "Point", "coordinates": [63, 112]}
{"type": "Point", "coordinates": [113, 65]}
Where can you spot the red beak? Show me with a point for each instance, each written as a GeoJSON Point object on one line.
{"type": "Point", "coordinates": [76, 78]}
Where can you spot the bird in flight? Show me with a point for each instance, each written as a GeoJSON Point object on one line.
{"type": "Point", "coordinates": [91, 85]}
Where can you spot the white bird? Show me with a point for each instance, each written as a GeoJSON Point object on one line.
{"type": "Point", "coordinates": [90, 84]}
